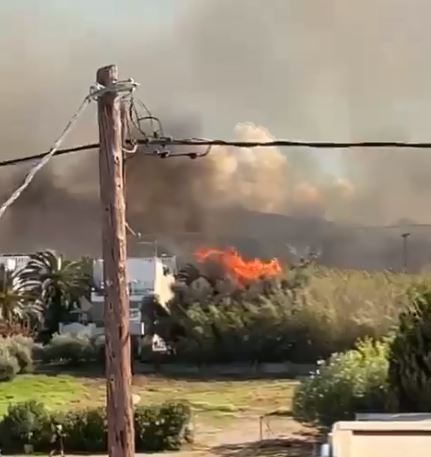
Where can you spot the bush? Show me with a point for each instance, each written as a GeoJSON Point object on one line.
{"type": "Point", "coordinates": [9, 366]}
{"type": "Point", "coordinates": [410, 355]}
{"type": "Point", "coordinates": [162, 428]}
{"type": "Point", "coordinates": [21, 348]}
{"type": "Point", "coordinates": [157, 428]}
{"type": "Point", "coordinates": [349, 383]}
{"type": "Point", "coordinates": [31, 344]}
{"type": "Point", "coordinates": [287, 319]}
{"type": "Point", "coordinates": [70, 349]}
{"type": "Point", "coordinates": [234, 332]}
{"type": "Point", "coordinates": [15, 356]}
{"type": "Point", "coordinates": [85, 430]}
{"type": "Point", "coordinates": [22, 424]}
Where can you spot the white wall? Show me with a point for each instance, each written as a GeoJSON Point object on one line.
{"type": "Point", "coordinates": [136, 328]}
{"type": "Point", "coordinates": [381, 439]}
{"type": "Point", "coordinates": [144, 275]}
{"type": "Point", "coordinates": [76, 328]}
{"type": "Point", "coordinates": [139, 270]}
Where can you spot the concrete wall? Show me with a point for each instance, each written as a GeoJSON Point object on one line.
{"type": "Point", "coordinates": [381, 439]}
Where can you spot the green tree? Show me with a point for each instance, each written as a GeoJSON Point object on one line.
{"type": "Point", "coordinates": [410, 354]}
{"type": "Point", "coordinates": [57, 282]}
{"type": "Point", "coordinates": [16, 302]}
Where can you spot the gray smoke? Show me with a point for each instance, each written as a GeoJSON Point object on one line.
{"type": "Point", "coordinates": [315, 69]}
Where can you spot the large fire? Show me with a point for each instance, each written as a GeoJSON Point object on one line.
{"type": "Point", "coordinates": [240, 270]}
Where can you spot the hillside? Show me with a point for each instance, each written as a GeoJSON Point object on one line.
{"type": "Point", "coordinates": [253, 233]}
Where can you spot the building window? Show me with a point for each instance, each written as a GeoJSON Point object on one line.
{"type": "Point", "coordinates": [138, 288]}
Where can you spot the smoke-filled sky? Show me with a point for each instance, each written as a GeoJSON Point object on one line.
{"type": "Point", "coordinates": [294, 69]}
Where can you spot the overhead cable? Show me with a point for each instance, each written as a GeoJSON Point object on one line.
{"type": "Point", "coordinates": [239, 144]}
{"type": "Point", "coordinates": [97, 90]}
{"type": "Point", "coordinates": [45, 159]}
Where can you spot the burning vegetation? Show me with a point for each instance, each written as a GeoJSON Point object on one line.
{"type": "Point", "coordinates": [231, 265]}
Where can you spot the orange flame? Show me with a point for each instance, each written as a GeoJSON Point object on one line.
{"type": "Point", "coordinates": [240, 270]}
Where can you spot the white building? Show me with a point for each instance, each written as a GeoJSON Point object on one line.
{"type": "Point", "coordinates": [14, 262]}
{"type": "Point", "coordinates": [146, 277]}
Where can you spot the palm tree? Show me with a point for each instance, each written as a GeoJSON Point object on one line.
{"type": "Point", "coordinates": [58, 283]}
{"type": "Point", "coordinates": [17, 304]}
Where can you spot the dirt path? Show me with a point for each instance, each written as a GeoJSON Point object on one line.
{"type": "Point", "coordinates": [282, 437]}
{"type": "Point", "coordinates": [227, 416]}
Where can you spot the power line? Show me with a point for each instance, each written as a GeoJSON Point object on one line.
{"type": "Point", "coordinates": [59, 152]}
{"type": "Point", "coordinates": [165, 142]}
{"type": "Point", "coordinates": [285, 143]}
{"type": "Point", "coordinates": [96, 90]}
{"type": "Point", "coordinates": [46, 158]}
{"type": "Point", "coordinates": [387, 227]}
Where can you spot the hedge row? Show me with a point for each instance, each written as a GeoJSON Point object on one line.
{"type": "Point", "coordinates": [73, 349]}
{"type": "Point", "coordinates": [157, 428]}
{"type": "Point", "coordinates": [304, 317]}
{"type": "Point", "coordinates": [18, 353]}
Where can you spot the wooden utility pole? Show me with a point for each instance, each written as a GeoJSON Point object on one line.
{"type": "Point", "coordinates": [121, 440]}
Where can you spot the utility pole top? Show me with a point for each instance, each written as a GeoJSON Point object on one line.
{"type": "Point", "coordinates": [107, 75]}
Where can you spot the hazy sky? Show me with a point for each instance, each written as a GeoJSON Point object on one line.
{"type": "Point", "coordinates": [307, 69]}
{"type": "Point", "coordinates": [303, 69]}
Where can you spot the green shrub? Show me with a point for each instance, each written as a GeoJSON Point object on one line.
{"type": "Point", "coordinates": [230, 331]}
{"type": "Point", "coordinates": [348, 383]}
{"type": "Point", "coordinates": [70, 349]}
{"type": "Point", "coordinates": [23, 340]}
{"type": "Point", "coordinates": [15, 356]}
{"type": "Point", "coordinates": [84, 430]}
{"type": "Point", "coordinates": [9, 366]}
{"type": "Point", "coordinates": [410, 355]}
{"type": "Point", "coordinates": [286, 319]}
{"type": "Point", "coordinates": [22, 424]}
{"type": "Point", "coordinates": [162, 428]}
{"type": "Point", "coordinates": [21, 349]}
{"type": "Point", "coordinates": [29, 343]}
{"type": "Point", "coordinates": [157, 428]}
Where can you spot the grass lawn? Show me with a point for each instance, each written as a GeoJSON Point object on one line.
{"type": "Point", "coordinates": [226, 412]}
{"type": "Point", "coordinates": [214, 398]}
{"type": "Point", "coordinates": [219, 397]}
{"type": "Point", "coordinates": [56, 392]}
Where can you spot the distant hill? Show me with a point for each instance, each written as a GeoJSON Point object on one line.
{"type": "Point", "coordinates": [257, 234]}
{"type": "Point", "coordinates": [340, 245]}
{"type": "Point", "coordinates": [273, 235]}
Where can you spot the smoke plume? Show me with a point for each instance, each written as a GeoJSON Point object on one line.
{"type": "Point", "coordinates": [318, 70]}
